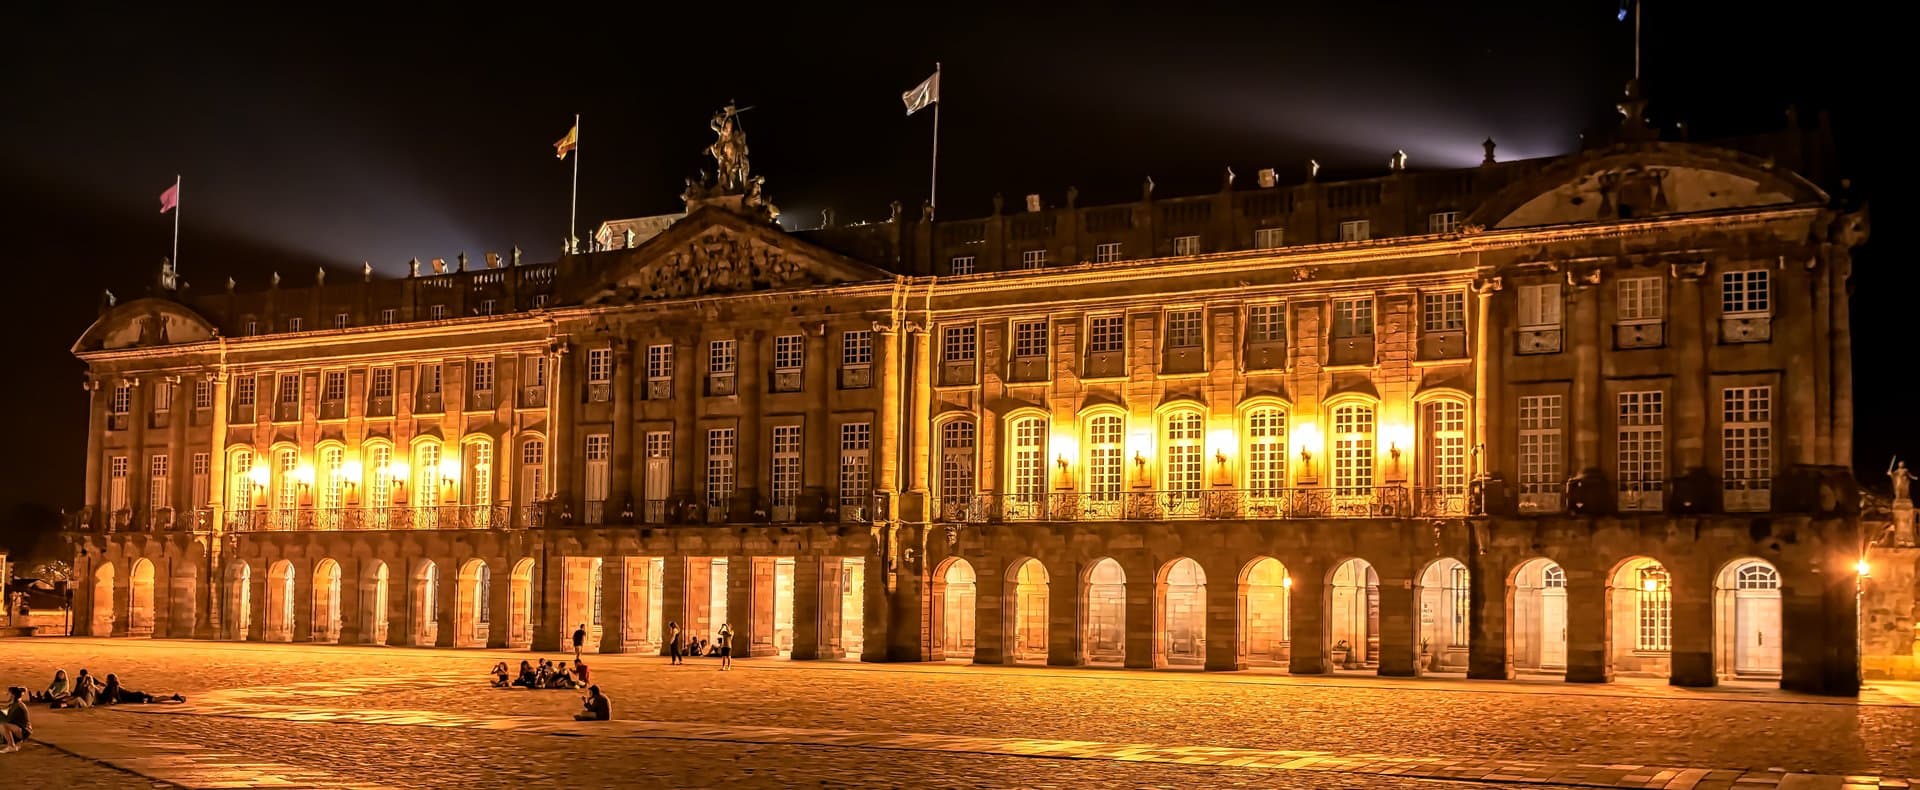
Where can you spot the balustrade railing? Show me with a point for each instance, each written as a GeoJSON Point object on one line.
{"type": "Point", "coordinates": [1216, 503]}
{"type": "Point", "coordinates": [354, 518]}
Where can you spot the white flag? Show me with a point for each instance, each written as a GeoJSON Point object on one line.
{"type": "Point", "coordinates": [925, 93]}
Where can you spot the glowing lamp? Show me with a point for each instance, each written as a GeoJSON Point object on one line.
{"type": "Point", "coordinates": [259, 476]}
{"type": "Point", "coordinates": [1863, 568]}
{"type": "Point", "coordinates": [399, 471]}
{"type": "Point", "coordinates": [304, 475]}
{"type": "Point", "coordinates": [1650, 584]}
{"type": "Point", "coordinates": [1396, 435]}
{"type": "Point", "coordinates": [449, 472]}
{"type": "Point", "coordinates": [350, 473]}
{"type": "Point", "coordinates": [1306, 437]}
{"type": "Point", "coordinates": [1287, 582]}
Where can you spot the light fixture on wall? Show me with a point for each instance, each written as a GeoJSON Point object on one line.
{"type": "Point", "coordinates": [1061, 461]}
{"type": "Point", "coordinates": [1140, 460]}
{"type": "Point", "coordinates": [1861, 567]}
{"type": "Point", "coordinates": [259, 476]}
{"type": "Point", "coordinates": [399, 471]}
{"type": "Point", "coordinates": [350, 474]}
{"type": "Point", "coordinates": [304, 476]}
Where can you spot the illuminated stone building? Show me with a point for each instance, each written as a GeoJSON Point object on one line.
{"type": "Point", "coordinates": [1586, 415]}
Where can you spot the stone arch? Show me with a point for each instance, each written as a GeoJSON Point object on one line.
{"type": "Point", "coordinates": [140, 611]}
{"type": "Point", "coordinates": [954, 590]}
{"type": "Point", "coordinates": [1181, 616]}
{"type": "Point", "coordinates": [1640, 617]}
{"type": "Point", "coordinates": [373, 602]}
{"type": "Point", "coordinates": [1029, 607]}
{"type": "Point", "coordinates": [1103, 612]}
{"type": "Point", "coordinates": [1353, 614]}
{"type": "Point", "coordinates": [239, 599]}
{"type": "Point", "coordinates": [327, 617]}
{"type": "Point", "coordinates": [1748, 627]}
{"type": "Point", "coordinates": [101, 623]}
{"type": "Point", "coordinates": [1445, 612]}
{"type": "Point", "coordinates": [473, 611]}
{"type": "Point", "coordinates": [520, 602]}
{"type": "Point", "coordinates": [423, 603]}
{"type": "Point", "coordinates": [1265, 627]}
{"type": "Point", "coordinates": [1537, 617]}
{"type": "Point", "coordinates": [278, 623]}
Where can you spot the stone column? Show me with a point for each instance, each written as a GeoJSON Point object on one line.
{"type": "Point", "coordinates": [1692, 607]}
{"type": "Point", "coordinates": [257, 604]}
{"type": "Point", "coordinates": [1587, 412]}
{"type": "Point", "coordinates": [563, 398]}
{"type": "Point", "coordinates": [620, 487]}
{"type": "Point", "coordinates": [1490, 409]}
{"type": "Point", "coordinates": [877, 616]}
{"type": "Point", "coordinates": [673, 598]}
{"type": "Point", "coordinates": [137, 455]}
{"type": "Point", "coordinates": [1066, 639]}
{"type": "Point", "coordinates": [1307, 618]}
{"type": "Point", "coordinates": [1223, 619]}
{"type": "Point", "coordinates": [217, 483]}
{"type": "Point", "coordinates": [816, 452]}
{"type": "Point", "coordinates": [302, 569]}
{"type": "Point", "coordinates": [919, 429]}
{"type": "Point", "coordinates": [1487, 655]}
{"type": "Point", "coordinates": [833, 596]}
{"type": "Point", "coordinates": [990, 606]}
{"type": "Point", "coordinates": [808, 603]}
{"type": "Point", "coordinates": [1144, 645]}
{"type": "Point", "coordinates": [1690, 368]}
{"type": "Point", "coordinates": [96, 436]}
{"type": "Point", "coordinates": [886, 424]}
{"type": "Point", "coordinates": [613, 592]}
{"type": "Point", "coordinates": [349, 612]}
{"type": "Point", "coordinates": [1589, 629]}
{"type": "Point", "coordinates": [1836, 443]}
{"type": "Point", "coordinates": [907, 620]}
{"type": "Point", "coordinates": [1795, 326]}
{"type": "Point", "coordinates": [400, 603]}
{"type": "Point", "coordinates": [1819, 607]}
{"type": "Point", "coordinates": [638, 606]}
{"type": "Point", "coordinates": [750, 379]}
{"type": "Point", "coordinates": [550, 582]}
{"type": "Point", "coordinates": [749, 595]}
{"type": "Point", "coordinates": [1399, 626]}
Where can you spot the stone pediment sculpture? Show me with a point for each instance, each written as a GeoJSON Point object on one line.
{"type": "Point", "coordinates": [1637, 181]}
{"type": "Point", "coordinates": [144, 323]}
{"type": "Point", "coordinates": [733, 183]}
{"type": "Point", "coordinates": [715, 252]}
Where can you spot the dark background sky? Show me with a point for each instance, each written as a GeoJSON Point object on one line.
{"type": "Point", "coordinates": [329, 135]}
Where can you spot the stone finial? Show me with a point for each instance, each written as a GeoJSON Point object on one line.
{"type": "Point", "coordinates": [827, 219]}
{"type": "Point", "coordinates": [231, 285]}
{"type": "Point", "coordinates": [320, 276]}
{"type": "Point", "coordinates": [1226, 181]}
{"type": "Point", "coordinates": [1073, 196]}
{"type": "Point", "coordinates": [1033, 203]}
{"type": "Point", "coordinates": [926, 211]}
{"type": "Point", "coordinates": [1313, 169]}
{"type": "Point", "coordinates": [999, 201]}
{"type": "Point", "coordinates": [1146, 189]}
{"type": "Point", "coordinates": [463, 261]}
{"type": "Point", "coordinates": [1397, 162]}
{"type": "Point", "coordinates": [893, 211]}
{"type": "Point", "coordinates": [493, 260]}
{"type": "Point", "coordinates": [107, 299]}
{"type": "Point", "coordinates": [414, 266]}
{"type": "Point", "coordinates": [1488, 147]}
{"type": "Point", "coordinates": [439, 266]}
{"type": "Point", "coordinates": [167, 281]}
{"type": "Point", "coordinates": [629, 238]}
{"type": "Point", "coordinates": [366, 271]}
{"type": "Point", "coordinates": [516, 255]}
{"type": "Point", "coordinates": [1267, 178]}
{"type": "Point", "coordinates": [275, 282]}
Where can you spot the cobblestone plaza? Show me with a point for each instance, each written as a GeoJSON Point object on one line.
{"type": "Point", "coordinates": [281, 715]}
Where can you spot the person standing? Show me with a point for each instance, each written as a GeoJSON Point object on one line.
{"type": "Point", "coordinates": [673, 643]}
{"type": "Point", "coordinates": [726, 646]}
{"type": "Point", "coordinates": [579, 640]}
{"type": "Point", "coordinates": [16, 729]}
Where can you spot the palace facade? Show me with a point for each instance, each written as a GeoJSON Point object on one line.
{"type": "Point", "coordinates": [1587, 415]}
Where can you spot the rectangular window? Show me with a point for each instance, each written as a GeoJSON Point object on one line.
{"type": "Point", "coordinates": [1745, 293]}
{"type": "Point", "coordinates": [1186, 245]}
{"type": "Point", "coordinates": [1445, 311]}
{"type": "Point", "coordinates": [122, 398]}
{"type": "Point", "coordinates": [1642, 299]}
{"type": "Point", "coordinates": [1642, 449]}
{"type": "Point", "coordinates": [958, 343]}
{"type": "Point", "coordinates": [1269, 238]}
{"type": "Point", "coordinates": [1353, 455]}
{"type": "Point", "coordinates": [1033, 259]}
{"type": "Point", "coordinates": [294, 324]}
{"type": "Point", "coordinates": [721, 355]}
{"type": "Point", "coordinates": [483, 375]}
{"type": "Point", "coordinates": [599, 451]}
{"type": "Point", "coordinates": [660, 362]}
{"type": "Point", "coordinates": [599, 365]}
{"type": "Point", "coordinates": [430, 379]}
{"type": "Point", "coordinates": [786, 470]}
{"type": "Point", "coordinates": [1356, 230]}
{"type": "Point", "coordinates": [202, 393]}
{"type": "Point", "coordinates": [340, 320]}
{"type": "Point", "coordinates": [117, 469]}
{"type": "Point", "coordinates": [1266, 452]}
{"type": "Point", "coordinates": [382, 386]}
{"type": "Point", "coordinates": [163, 397]}
{"type": "Point", "coordinates": [1353, 317]}
{"type": "Point", "coordinates": [202, 479]}
{"type": "Point", "coordinates": [289, 388]}
{"type": "Point", "coordinates": [159, 482]}
{"type": "Point", "coordinates": [1106, 448]}
{"type": "Point", "coordinates": [1540, 443]}
{"type": "Point", "coordinates": [1183, 329]}
{"type": "Point", "coordinates": [1266, 323]}
{"type": "Point", "coordinates": [1540, 306]}
{"type": "Point", "coordinates": [1443, 222]}
{"type": "Point", "coordinates": [961, 264]}
{"type": "Point", "coordinates": [437, 312]}
{"type": "Point", "coordinates": [1030, 339]}
{"type": "Point", "coordinates": [334, 386]}
{"type": "Point", "coordinates": [1746, 447]}
{"type": "Point", "coordinates": [856, 458]}
{"type": "Point", "coordinates": [1106, 334]}
{"type": "Point", "coordinates": [789, 353]}
{"type": "Point", "coordinates": [856, 347]}
{"type": "Point", "coordinates": [486, 306]}
{"type": "Point", "coordinates": [720, 448]}
{"type": "Point", "coordinates": [1183, 465]}
{"type": "Point", "coordinates": [1107, 252]}
{"type": "Point", "coordinates": [389, 316]}
{"type": "Point", "coordinates": [1029, 453]}
{"type": "Point", "coordinates": [243, 390]}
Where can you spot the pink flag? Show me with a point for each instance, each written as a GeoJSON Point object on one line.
{"type": "Point", "coordinates": [170, 199]}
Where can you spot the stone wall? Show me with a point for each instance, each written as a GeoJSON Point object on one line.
{"type": "Point", "coordinates": [1890, 614]}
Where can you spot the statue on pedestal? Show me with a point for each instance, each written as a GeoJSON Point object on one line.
{"type": "Point", "coordinates": [1903, 531]}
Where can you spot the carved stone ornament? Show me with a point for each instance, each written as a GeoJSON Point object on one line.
{"type": "Point", "coordinates": [718, 261]}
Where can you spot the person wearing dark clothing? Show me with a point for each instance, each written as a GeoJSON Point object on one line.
{"type": "Point", "coordinates": [598, 707]}
{"type": "Point", "coordinates": [527, 678]}
{"type": "Point", "coordinates": [673, 643]}
{"type": "Point", "coordinates": [114, 694]}
{"type": "Point", "coordinates": [579, 640]}
{"type": "Point", "coordinates": [16, 729]}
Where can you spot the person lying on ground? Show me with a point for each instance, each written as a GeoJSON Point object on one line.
{"type": "Point", "coordinates": [113, 694]}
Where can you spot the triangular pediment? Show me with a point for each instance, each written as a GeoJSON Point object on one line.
{"type": "Point", "coordinates": [715, 252]}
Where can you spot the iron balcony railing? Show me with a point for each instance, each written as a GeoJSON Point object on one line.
{"type": "Point", "coordinates": [354, 518]}
{"type": "Point", "coordinates": [1216, 503]}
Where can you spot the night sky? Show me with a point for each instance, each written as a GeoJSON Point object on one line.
{"type": "Point", "coordinates": [372, 135]}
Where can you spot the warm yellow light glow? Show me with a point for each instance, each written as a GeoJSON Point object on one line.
{"type": "Point", "coordinates": [1650, 584]}
{"type": "Point", "coordinates": [449, 471]}
{"type": "Point", "coordinates": [304, 474]}
{"type": "Point", "coordinates": [1287, 582]}
{"type": "Point", "coordinates": [398, 469]}
{"type": "Point", "coordinates": [1863, 568]}
{"type": "Point", "coordinates": [1224, 442]}
{"type": "Point", "coordinates": [1140, 444]}
{"type": "Point", "coordinates": [1394, 436]}
{"type": "Point", "coordinates": [259, 475]}
{"type": "Point", "coordinates": [1064, 447]}
{"type": "Point", "coordinates": [350, 472]}
{"type": "Point", "coordinates": [1306, 437]}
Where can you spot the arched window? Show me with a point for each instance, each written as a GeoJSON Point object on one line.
{"type": "Point", "coordinates": [533, 471]}
{"type": "Point", "coordinates": [956, 463]}
{"type": "Point", "coordinates": [1553, 576]}
{"type": "Point", "coordinates": [1353, 450]}
{"type": "Point", "coordinates": [1757, 577]}
{"type": "Point", "coordinates": [287, 493]}
{"type": "Point", "coordinates": [240, 480]}
{"type": "Point", "coordinates": [1106, 442]}
{"type": "Point", "coordinates": [1028, 465]}
{"type": "Point", "coordinates": [1444, 427]}
{"type": "Point", "coordinates": [426, 485]}
{"type": "Point", "coordinates": [1266, 454]}
{"type": "Point", "coordinates": [1654, 605]}
{"type": "Point", "coordinates": [479, 471]}
{"type": "Point", "coordinates": [333, 463]}
{"type": "Point", "coordinates": [379, 481]}
{"type": "Point", "coordinates": [1182, 468]}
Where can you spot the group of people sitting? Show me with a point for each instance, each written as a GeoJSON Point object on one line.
{"type": "Point", "coordinates": [86, 691]}
{"type": "Point", "coordinates": [548, 675]}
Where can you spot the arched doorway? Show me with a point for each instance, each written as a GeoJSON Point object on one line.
{"type": "Point", "coordinates": [279, 622]}
{"type": "Point", "coordinates": [326, 601]}
{"type": "Point", "coordinates": [373, 602]}
{"type": "Point", "coordinates": [1746, 620]}
{"type": "Point", "coordinates": [424, 598]}
{"type": "Point", "coordinates": [140, 598]}
{"type": "Point", "coordinates": [1640, 617]}
{"type": "Point", "coordinates": [1445, 608]}
{"type": "Point", "coordinates": [103, 594]}
{"type": "Point", "coordinates": [954, 591]}
{"type": "Point", "coordinates": [1183, 613]}
{"type": "Point", "coordinates": [472, 609]}
{"type": "Point", "coordinates": [239, 611]}
{"type": "Point", "coordinates": [1264, 636]}
{"type": "Point", "coordinates": [1537, 623]}
{"type": "Point", "coordinates": [1104, 594]}
{"type": "Point", "coordinates": [1030, 613]}
{"type": "Point", "coordinates": [1353, 622]}
{"type": "Point", "coordinates": [783, 583]}
{"type": "Point", "coordinates": [520, 604]}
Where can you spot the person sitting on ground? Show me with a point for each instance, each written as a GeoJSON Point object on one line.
{"type": "Point", "coordinates": [83, 695]}
{"type": "Point", "coordinates": [598, 707]}
{"type": "Point", "coordinates": [562, 677]}
{"type": "Point", "coordinates": [57, 689]}
{"type": "Point", "coordinates": [580, 674]}
{"type": "Point", "coordinates": [15, 729]}
{"type": "Point", "coordinates": [500, 679]}
{"type": "Point", "coordinates": [113, 694]}
{"type": "Point", "coordinates": [527, 678]}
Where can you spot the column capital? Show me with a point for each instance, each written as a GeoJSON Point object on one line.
{"type": "Point", "coordinates": [1488, 286]}
{"type": "Point", "coordinates": [1584, 278]}
{"type": "Point", "coordinates": [1688, 271]}
{"type": "Point", "coordinates": [884, 329]}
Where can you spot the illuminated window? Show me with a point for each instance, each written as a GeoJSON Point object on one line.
{"type": "Point", "coordinates": [1029, 462]}
{"type": "Point", "coordinates": [1540, 442]}
{"type": "Point", "coordinates": [1186, 245]}
{"type": "Point", "coordinates": [340, 320]}
{"type": "Point", "coordinates": [286, 469]}
{"type": "Point", "coordinates": [243, 390]}
{"type": "Point", "coordinates": [1107, 252]}
{"type": "Point", "coordinates": [294, 324]}
{"type": "Point", "coordinates": [289, 388]}
{"type": "Point", "coordinates": [1106, 445]}
{"type": "Point", "coordinates": [599, 365]}
{"type": "Point", "coordinates": [1269, 238]}
{"type": "Point", "coordinates": [1746, 447]}
{"type": "Point", "coordinates": [332, 484]}
{"type": "Point", "coordinates": [333, 387]}
{"type": "Point", "coordinates": [1445, 311]}
{"type": "Point", "coordinates": [202, 479]}
{"type": "Point", "coordinates": [122, 398]}
{"type": "Point", "coordinates": [1183, 329]}
{"type": "Point", "coordinates": [1356, 230]}
{"type": "Point", "coordinates": [961, 264]}
{"type": "Point", "coordinates": [380, 484]}
{"type": "Point", "coordinates": [1353, 317]}
{"type": "Point", "coordinates": [479, 472]}
{"type": "Point", "coordinates": [1654, 606]}
{"type": "Point", "coordinates": [1642, 300]}
{"type": "Point", "coordinates": [599, 454]}
{"type": "Point", "coordinates": [1266, 451]}
{"type": "Point", "coordinates": [437, 312]}
{"type": "Point", "coordinates": [856, 460]}
{"type": "Point", "coordinates": [1745, 292]}
{"type": "Point", "coordinates": [159, 482]}
{"type": "Point", "coordinates": [382, 386]}
{"type": "Point", "coordinates": [1106, 334]}
{"type": "Point", "coordinates": [1642, 449]}
{"type": "Point", "coordinates": [1266, 323]}
{"type": "Point", "coordinates": [117, 469]}
{"type": "Point", "coordinates": [203, 393]}
{"type": "Point", "coordinates": [1033, 259]}
{"type": "Point", "coordinates": [1181, 465]}
{"type": "Point", "coordinates": [1030, 339]}
{"type": "Point", "coordinates": [1443, 222]}
{"type": "Point", "coordinates": [430, 379]}
{"type": "Point", "coordinates": [240, 480]}
{"type": "Point", "coordinates": [1445, 422]}
{"type": "Point", "coordinates": [789, 353]}
{"type": "Point", "coordinates": [389, 316]}
{"type": "Point", "coordinates": [1353, 450]}
{"type": "Point", "coordinates": [956, 461]}
{"type": "Point", "coordinates": [483, 375]}
{"type": "Point", "coordinates": [958, 343]}
{"type": "Point", "coordinates": [1756, 576]}
{"type": "Point", "coordinates": [720, 448]}
{"type": "Point", "coordinates": [533, 470]}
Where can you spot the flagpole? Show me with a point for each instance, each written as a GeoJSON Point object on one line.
{"type": "Point", "coordinates": [176, 224]}
{"type": "Point", "coordinates": [933, 182]}
{"type": "Point", "coordinates": [573, 206]}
